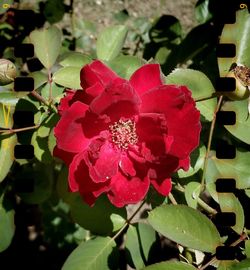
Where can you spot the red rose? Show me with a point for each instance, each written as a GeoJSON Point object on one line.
{"type": "Point", "coordinates": [118, 136]}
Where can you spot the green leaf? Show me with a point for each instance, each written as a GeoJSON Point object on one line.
{"type": "Point", "coordinates": [125, 65]}
{"type": "Point", "coordinates": [51, 141]}
{"type": "Point", "coordinates": [7, 145]}
{"type": "Point", "coordinates": [243, 265]}
{"type": "Point", "coordinates": [41, 148]}
{"type": "Point", "coordinates": [110, 42]}
{"type": "Point", "coordinates": [192, 192]}
{"type": "Point", "coordinates": [229, 203]}
{"type": "Point", "coordinates": [68, 77]}
{"type": "Point", "coordinates": [54, 10]}
{"type": "Point", "coordinates": [39, 78]}
{"type": "Point", "coordinates": [202, 12]}
{"type": "Point", "coordinates": [170, 266]}
{"type": "Point", "coordinates": [47, 44]}
{"type": "Point", "coordinates": [133, 245]}
{"type": "Point", "coordinates": [237, 33]}
{"type": "Point", "coordinates": [102, 219]}
{"type": "Point", "coordinates": [225, 265]}
{"type": "Point", "coordinates": [75, 59]}
{"type": "Point", "coordinates": [139, 239]}
{"type": "Point", "coordinates": [147, 237]}
{"type": "Point", "coordinates": [200, 86]}
{"type": "Point", "coordinates": [44, 130]}
{"type": "Point", "coordinates": [237, 168]}
{"type": "Point", "coordinates": [185, 226]}
{"type": "Point", "coordinates": [247, 248]}
{"type": "Point", "coordinates": [11, 97]}
{"type": "Point", "coordinates": [90, 255]}
{"type": "Point", "coordinates": [197, 160]}
{"type": "Point", "coordinates": [7, 227]}
{"type": "Point", "coordinates": [241, 129]}
{"type": "Point", "coordinates": [62, 186]}
{"type": "Point", "coordinates": [56, 90]}
{"type": "Point", "coordinates": [41, 181]}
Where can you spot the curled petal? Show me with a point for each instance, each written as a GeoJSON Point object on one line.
{"type": "Point", "coordinates": [68, 131]}
{"type": "Point", "coordinates": [96, 72]}
{"type": "Point", "coordinates": [152, 129]}
{"type": "Point", "coordinates": [102, 161]}
{"type": "Point", "coordinates": [145, 78]}
{"type": "Point", "coordinates": [118, 100]}
{"type": "Point", "coordinates": [125, 191]}
{"type": "Point", "coordinates": [183, 119]}
{"type": "Point", "coordinates": [79, 180]}
{"type": "Point", "coordinates": [163, 187]}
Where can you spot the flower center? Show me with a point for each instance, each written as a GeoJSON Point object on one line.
{"type": "Point", "coordinates": [123, 133]}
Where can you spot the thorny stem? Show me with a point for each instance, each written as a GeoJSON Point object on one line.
{"type": "Point", "coordinates": [43, 100]}
{"type": "Point", "coordinates": [50, 85]}
{"type": "Point", "coordinates": [211, 132]}
{"type": "Point", "coordinates": [235, 243]}
{"type": "Point", "coordinates": [172, 199]}
{"type": "Point", "coordinates": [201, 203]}
{"type": "Point", "coordinates": [10, 131]}
{"type": "Point", "coordinates": [129, 220]}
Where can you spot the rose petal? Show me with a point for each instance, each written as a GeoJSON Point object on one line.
{"type": "Point", "coordinates": [102, 161]}
{"type": "Point", "coordinates": [71, 97]}
{"type": "Point", "coordinates": [68, 131]}
{"type": "Point", "coordinates": [118, 100]}
{"type": "Point", "coordinates": [145, 78]}
{"type": "Point", "coordinates": [183, 119]}
{"type": "Point", "coordinates": [96, 72]}
{"type": "Point", "coordinates": [125, 191]}
{"type": "Point", "coordinates": [151, 128]}
{"type": "Point", "coordinates": [67, 157]}
{"type": "Point", "coordinates": [126, 166]}
{"type": "Point", "coordinates": [79, 180]}
{"type": "Point", "coordinates": [163, 187]}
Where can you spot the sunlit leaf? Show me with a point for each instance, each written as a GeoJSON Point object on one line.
{"type": "Point", "coordinates": [170, 266]}
{"type": "Point", "coordinates": [75, 59]}
{"type": "Point", "coordinates": [7, 145]}
{"type": "Point", "coordinates": [90, 255]}
{"type": "Point", "coordinates": [192, 192]}
{"type": "Point", "coordinates": [125, 65]}
{"type": "Point", "coordinates": [229, 203]}
{"type": "Point", "coordinates": [110, 42]}
{"type": "Point", "coordinates": [47, 44]}
{"type": "Point", "coordinates": [68, 77]}
{"type": "Point", "coordinates": [241, 129]}
{"type": "Point", "coordinates": [185, 226]}
{"type": "Point", "coordinates": [39, 78]}
{"type": "Point", "coordinates": [237, 33]}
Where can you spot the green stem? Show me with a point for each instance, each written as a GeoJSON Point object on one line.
{"type": "Point", "coordinates": [128, 221]}
{"type": "Point", "coordinates": [10, 131]}
{"type": "Point", "coordinates": [50, 86]}
{"type": "Point", "coordinates": [172, 199]}
{"type": "Point", "coordinates": [43, 100]}
{"type": "Point", "coordinates": [211, 132]}
{"type": "Point", "coordinates": [201, 203]}
{"type": "Point", "coordinates": [235, 243]}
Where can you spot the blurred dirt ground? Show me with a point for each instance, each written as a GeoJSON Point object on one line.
{"type": "Point", "coordinates": [101, 12]}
